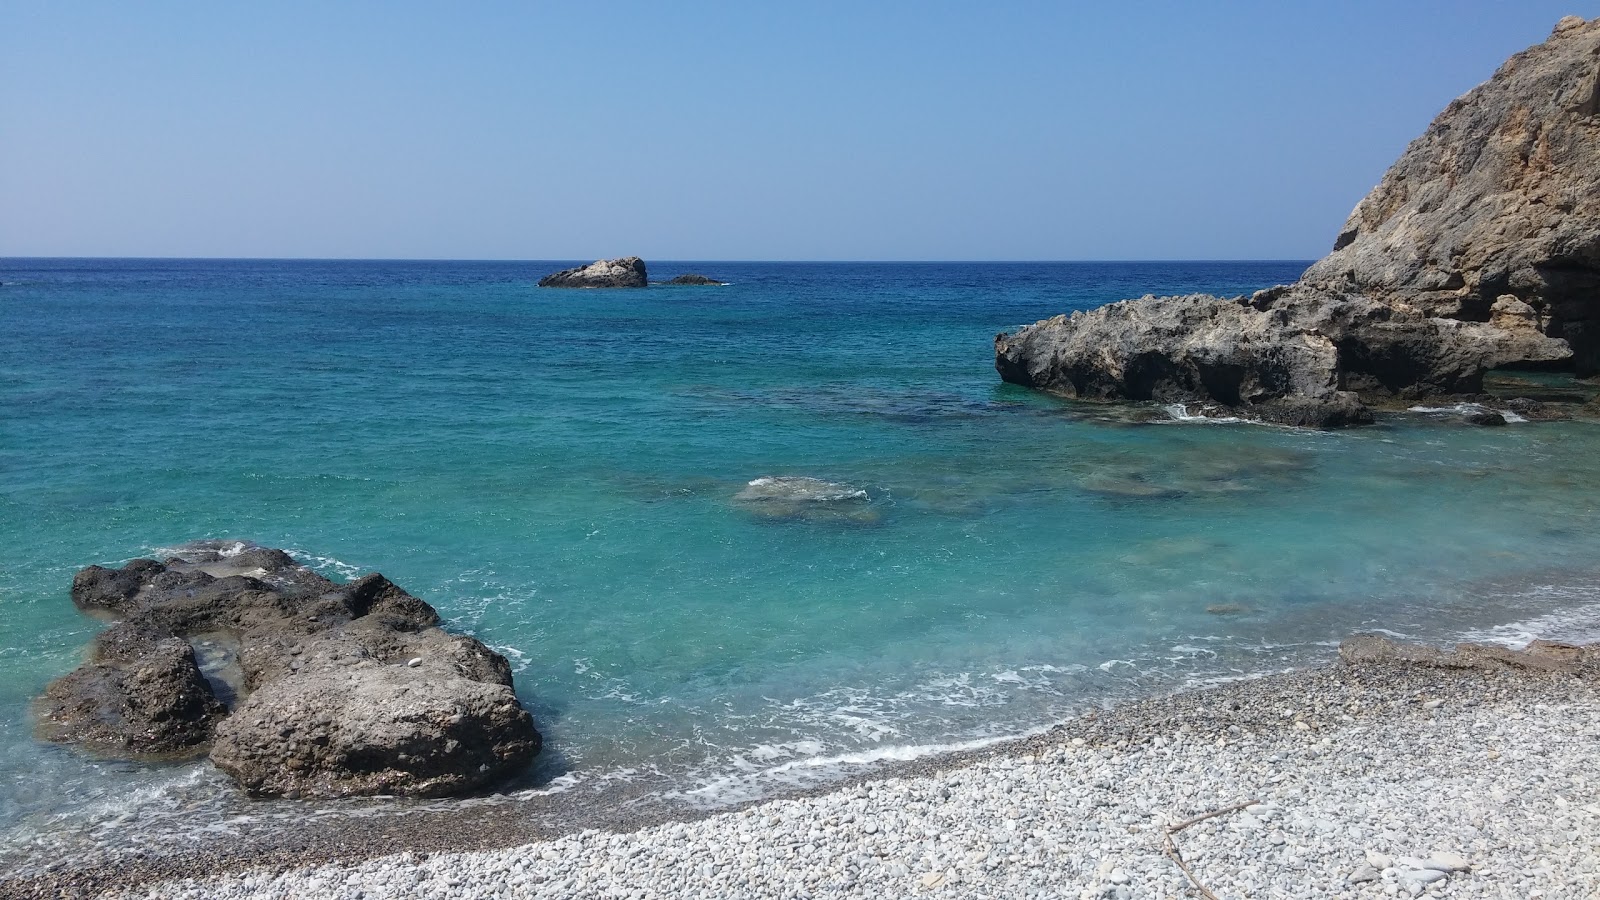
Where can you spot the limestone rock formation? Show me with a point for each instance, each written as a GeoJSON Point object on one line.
{"type": "Point", "coordinates": [1480, 249]}
{"type": "Point", "coordinates": [605, 273]}
{"type": "Point", "coordinates": [343, 689]}
{"type": "Point", "coordinates": [1497, 204]}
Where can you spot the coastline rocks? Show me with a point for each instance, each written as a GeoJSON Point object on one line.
{"type": "Point", "coordinates": [626, 272]}
{"type": "Point", "coordinates": [343, 690]}
{"type": "Point", "coordinates": [1497, 202]}
{"type": "Point", "coordinates": [1480, 249]}
{"type": "Point", "coordinates": [693, 279]}
{"type": "Point", "coordinates": [1539, 656]}
{"type": "Point", "coordinates": [370, 728]}
{"type": "Point", "coordinates": [140, 695]}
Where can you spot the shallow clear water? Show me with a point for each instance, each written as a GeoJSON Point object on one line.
{"type": "Point", "coordinates": [555, 471]}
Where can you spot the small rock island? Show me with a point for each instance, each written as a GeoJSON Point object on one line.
{"type": "Point", "coordinates": [336, 690]}
{"type": "Point", "coordinates": [626, 272]}
{"type": "Point", "coordinates": [1479, 249]}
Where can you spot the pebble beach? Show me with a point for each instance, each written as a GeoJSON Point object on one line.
{"type": "Point", "coordinates": [1335, 782]}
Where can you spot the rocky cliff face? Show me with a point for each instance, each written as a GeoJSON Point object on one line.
{"type": "Point", "coordinates": [1479, 249]}
{"type": "Point", "coordinates": [1500, 198]}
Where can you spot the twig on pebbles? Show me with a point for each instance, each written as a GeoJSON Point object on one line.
{"type": "Point", "coordinates": [1169, 847]}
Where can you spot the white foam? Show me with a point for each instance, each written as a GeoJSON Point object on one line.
{"type": "Point", "coordinates": [1463, 409]}
{"type": "Point", "coordinates": [1180, 413]}
{"type": "Point", "coordinates": [736, 788]}
{"type": "Point", "coordinates": [323, 563]}
{"type": "Point", "coordinates": [1576, 624]}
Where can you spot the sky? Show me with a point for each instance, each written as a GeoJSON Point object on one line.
{"type": "Point", "coordinates": [722, 131]}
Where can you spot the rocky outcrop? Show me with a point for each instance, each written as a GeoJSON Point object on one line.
{"type": "Point", "coordinates": [1480, 249]}
{"type": "Point", "coordinates": [693, 279]}
{"type": "Point", "coordinates": [343, 689]}
{"type": "Point", "coordinates": [1497, 204]}
{"type": "Point", "coordinates": [1551, 657]}
{"type": "Point", "coordinates": [141, 695]}
{"type": "Point", "coordinates": [605, 273]}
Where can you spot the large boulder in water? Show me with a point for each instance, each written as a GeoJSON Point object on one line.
{"type": "Point", "coordinates": [344, 689]}
{"type": "Point", "coordinates": [1480, 249]}
{"type": "Point", "coordinates": [374, 727]}
{"type": "Point", "coordinates": [605, 273]}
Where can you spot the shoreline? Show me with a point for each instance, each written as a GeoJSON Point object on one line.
{"type": "Point", "coordinates": [1308, 707]}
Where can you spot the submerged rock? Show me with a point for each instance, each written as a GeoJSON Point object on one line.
{"type": "Point", "coordinates": [693, 279]}
{"type": "Point", "coordinates": [605, 273]}
{"type": "Point", "coordinates": [800, 489]}
{"type": "Point", "coordinates": [802, 498]}
{"type": "Point", "coordinates": [344, 689]}
{"type": "Point", "coordinates": [1480, 249]}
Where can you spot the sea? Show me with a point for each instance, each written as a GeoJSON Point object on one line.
{"type": "Point", "coordinates": [559, 473]}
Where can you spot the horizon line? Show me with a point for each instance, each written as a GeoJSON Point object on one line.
{"type": "Point", "coordinates": [486, 259]}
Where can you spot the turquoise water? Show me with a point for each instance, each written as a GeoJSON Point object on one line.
{"type": "Point", "coordinates": [555, 471]}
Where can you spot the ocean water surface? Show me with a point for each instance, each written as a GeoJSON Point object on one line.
{"type": "Point", "coordinates": [556, 472]}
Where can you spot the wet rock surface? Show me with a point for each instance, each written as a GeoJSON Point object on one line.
{"type": "Point", "coordinates": [628, 271]}
{"type": "Point", "coordinates": [140, 695]}
{"type": "Point", "coordinates": [801, 498]}
{"type": "Point", "coordinates": [693, 279]}
{"type": "Point", "coordinates": [1480, 249]}
{"type": "Point", "coordinates": [343, 689]}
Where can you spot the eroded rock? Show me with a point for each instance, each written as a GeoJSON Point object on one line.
{"type": "Point", "coordinates": [400, 705]}
{"type": "Point", "coordinates": [1538, 656]}
{"type": "Point", "coordinates": [140, 695]}
{"type": "Point", "coordinates": [1480, 249]}
{"type": "Point", "coordinates": [628, 271]}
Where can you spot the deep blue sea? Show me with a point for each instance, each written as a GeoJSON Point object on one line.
{"type": "Point", "coordinates": [556, 472]}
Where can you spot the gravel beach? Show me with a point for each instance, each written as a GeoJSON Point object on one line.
{"type": "Point", "coordinates": [1344, 781]}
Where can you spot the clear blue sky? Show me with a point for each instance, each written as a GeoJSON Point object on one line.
{"type": "Point", "coordinates": [699, 130]}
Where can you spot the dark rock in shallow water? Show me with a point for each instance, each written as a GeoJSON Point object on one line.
{"type": "Point", "coordinates": [1484, 417]}
{"type": "Point", "coordinates": [140, 695]}
{"type": "Point", "coordinates": [693, 279]}
{"type": "Point", "coordinates": [605, 273]}
{"type": "Point", "coordinates": [1480, 249]}
{"type": "Point", "coordinates": [346, 689]}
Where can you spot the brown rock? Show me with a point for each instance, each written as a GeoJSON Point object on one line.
{"type": "Point", "coordinates": [393, 703]}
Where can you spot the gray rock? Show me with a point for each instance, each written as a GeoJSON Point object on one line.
{"type": "Point", "coordinates": [628, 271]}
{"type": "Point", "coordinates": [343, 689]}
{"type": "Point", "coordinates": [140, 695]}
{"type": "Point", "coordinates": [1480, 249]}
{"type": "Point", "coordinates": [692, 279]}
{"type": "Point", "coordinates": [370, 728]}
{"type": "Point", "coordinates": [1364, 875]}
{"type": "Point", "coordinates": [1375, 650]}
{"type": "Point", "coordinates": [1498, 199]}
